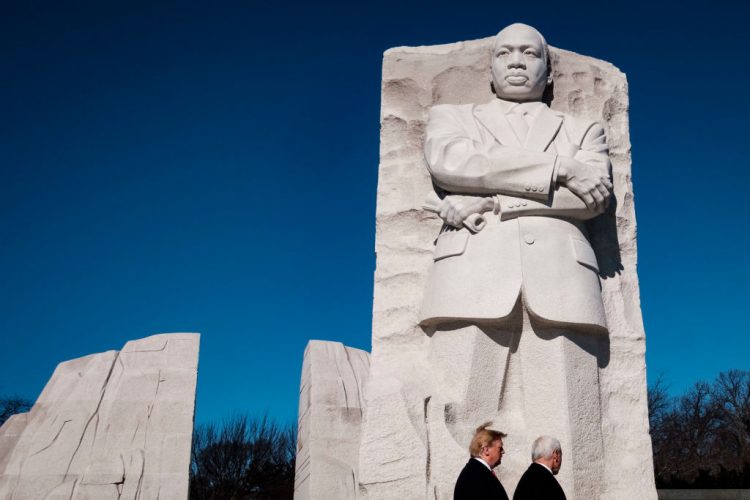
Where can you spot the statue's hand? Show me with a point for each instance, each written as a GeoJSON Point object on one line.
{"type": "Point", "coordinates": [589, 183]}
{"type": "Point", "coordinates": [454, 209]}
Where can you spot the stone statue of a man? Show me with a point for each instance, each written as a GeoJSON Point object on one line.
{"type": "Point", "coordinates": [542, 173]}
{"type": "Point", "coordinates": [515, 303]}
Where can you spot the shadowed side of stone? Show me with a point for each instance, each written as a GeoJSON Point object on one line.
{"type": "Point", "coordinates": [331, 403]}
{"type": "Point", "coordinates": [112, 425]}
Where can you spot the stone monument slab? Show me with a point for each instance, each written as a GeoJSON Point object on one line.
{"type": "Point", "coordinates": [506, 285]}
{"type": "Point", "coordinates": [331, 403]}
{"type": "Point", "coordinates": [112, 425]}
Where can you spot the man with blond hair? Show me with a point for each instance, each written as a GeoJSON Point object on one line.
{"type": "Point", "coordinates": [477, 479]}
{"type": "Point", "coordinates": [538, 482]}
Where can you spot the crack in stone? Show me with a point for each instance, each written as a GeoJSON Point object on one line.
{"type": "Point", "coordinates": [341, 380]}
{"type": "Point", "coordinates": [388, 481]}
{"type": "Point", "coordinates": [103, 391]}
{"type": "Point", "coordinates": [160, 349]}
{"type": "Point", "coordinates": [23, 462]}
{"type": "Point", "coordinates": [121, 482]}
{"type": "Point", "coordinates": [73, 489]}
{"type": "Point", "coordinates": [428, 471]}
{"type": "Point", "coordinates": [96, 428]}
{"type": "Point", "coordinates": [356, 379]}
{"type": "Point", "coordinates": [135, 432]}
{"type": "Point", "coordinates": [159, 380]}
{"type": "Point", "coordinates": [82, 418]}
{"type": "Point", "coordinates": [515, 339]}
{"type": "Point", "coordinates": [59, 431]}
{"type": "Point", "coordinates": [140, 476]}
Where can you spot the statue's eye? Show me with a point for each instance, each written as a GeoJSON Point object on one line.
{"type": "Point", "coordinates": [502, 53]}
{"type": "Point", "coordinates": [530, 53]}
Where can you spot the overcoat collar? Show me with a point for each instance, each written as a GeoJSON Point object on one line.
{"type": "Point", "coordinates": [542, 131]}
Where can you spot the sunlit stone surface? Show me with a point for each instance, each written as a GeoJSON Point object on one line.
{"type": "Point", "coordinates": [428, 388]}
{"type": "Point", "coordinates": [115, 425]}
{"type": "Point", "coordinates": [330, 413]}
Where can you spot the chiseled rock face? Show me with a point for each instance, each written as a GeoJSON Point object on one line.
{"type": "Point", "coordinates": [330, 412]}
{"type": "Point", "coordinates": [411, 451]}
{"type": "Point", "coordinates": [115, 425]}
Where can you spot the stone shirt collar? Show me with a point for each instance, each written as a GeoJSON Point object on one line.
{"type": "Point", "coordinates": [531, 108]}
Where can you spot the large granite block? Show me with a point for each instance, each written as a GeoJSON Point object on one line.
{"type": "Point", "coordinates": [112, 425]}
{"type": "Point", "coordinates": [415, 373]}
{"type": "Point", "coordinates": [330, 412]}
{"type": "Point", "coordinates": [534, 323]}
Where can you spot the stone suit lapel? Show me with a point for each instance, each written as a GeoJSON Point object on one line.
{"type": "Point", "coordinates": [492, 116]}
{"type": "Point", "coordinates": [543, 129]}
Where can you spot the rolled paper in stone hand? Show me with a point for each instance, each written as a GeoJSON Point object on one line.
{"type": "Point", "coordinates": [474, 222]}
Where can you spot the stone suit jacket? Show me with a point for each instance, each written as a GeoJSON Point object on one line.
{"type": "Point", "coordinates": [476, 482]}
{"type": "Point", "coordinates": [537, 483]}
{"type": "Point", "coordinates": [538, 246]}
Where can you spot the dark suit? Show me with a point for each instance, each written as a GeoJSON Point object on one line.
{"type": "Point", "coordinates": [537, 483]}
{"type": "Point", "coordinates": [477, 482]}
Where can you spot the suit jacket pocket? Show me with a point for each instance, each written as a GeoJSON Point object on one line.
{"type": "Point", "coordinates": [584, 254]}
{"type": "Point", "coordinates": [451, 243]}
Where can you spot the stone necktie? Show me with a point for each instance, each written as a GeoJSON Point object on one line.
{"type": "Point", "coordinates": [517, 119]}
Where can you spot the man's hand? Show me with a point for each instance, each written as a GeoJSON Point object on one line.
{"type": "Point", "coordinates": [456, 208]}
{"type": "Point", "coordinates": [587, 182]}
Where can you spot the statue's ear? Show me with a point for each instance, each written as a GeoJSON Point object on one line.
{"type": "Point", "coordinates": [549, 78]}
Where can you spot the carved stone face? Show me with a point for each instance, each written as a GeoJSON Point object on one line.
{"type": "Point", "coordinates": [519, 64]}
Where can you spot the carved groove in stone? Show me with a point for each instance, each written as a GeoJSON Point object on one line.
{"type": "Point", "coordinates": [107, 426]}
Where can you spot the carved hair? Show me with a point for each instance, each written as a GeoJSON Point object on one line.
{"type": "Point", "coordinates": [484, 437]}
{"type": "Point", "coordinates": [547, 58]}
{"type": "Point", "coordinates": [544, 447]}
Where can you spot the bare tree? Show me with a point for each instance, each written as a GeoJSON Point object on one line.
{"type": "Point", "coordinates": [659, 402]}
{"type": "Point", "coordinates": [696, 424]}
{"type": "Point", "coordinates": [702, 438]}
{"type": "Point", "coordinates": [660, 406]}
{"type": "Point", "coordinates": [731, 395]}
{"type": "Point", "coordinates": [242, 459]}
{"type": "Point", "coordinates": [684, 435]}
{"type": "Point", "coordinates": [10, 405]}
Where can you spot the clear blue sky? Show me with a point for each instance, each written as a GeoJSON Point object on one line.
{"type": "Point", "coordinates": [211, 167]}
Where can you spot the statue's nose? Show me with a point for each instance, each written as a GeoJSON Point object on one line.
{"type": "Point", "coordinates": [515, 60]}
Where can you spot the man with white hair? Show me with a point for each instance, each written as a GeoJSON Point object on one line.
{"type": "Point", "coordinates": [538, 482]}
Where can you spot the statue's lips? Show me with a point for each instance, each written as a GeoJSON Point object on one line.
{"type": "Point", "coordinates": [516, 79]}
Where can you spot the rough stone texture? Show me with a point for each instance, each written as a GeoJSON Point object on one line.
{"type": "Point", "coordinates": [704, 494]}
{"type": "Point", "coordinates": [115, 425]}
{"type": "Point", "coordinates": [413, 450]}
{"type": "Point", "coordinates": [330, 413]}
